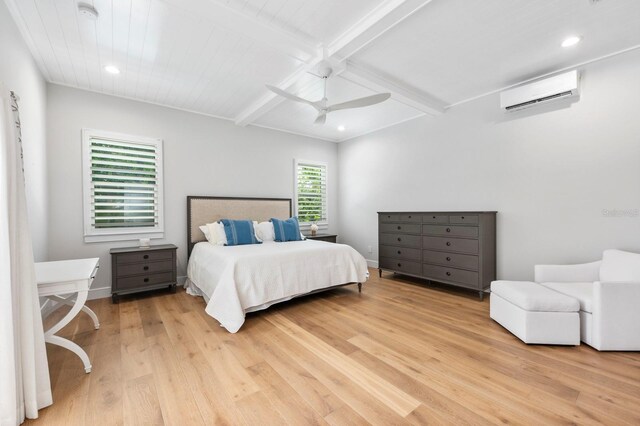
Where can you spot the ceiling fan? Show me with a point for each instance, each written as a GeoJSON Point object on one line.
{"type": "Point", "coordinates": [324, 71]}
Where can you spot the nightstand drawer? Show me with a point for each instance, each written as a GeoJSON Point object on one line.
{"type": "Point", "coordinates": [139, 281]}
{"type": "Point", "coordinates": [144, 256]}
{"type": "Point", "coordinates": [144, 268]}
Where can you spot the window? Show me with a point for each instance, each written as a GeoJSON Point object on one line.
{"type": "Point", "coordinates": [311, 193]}
{"type": "Point", "coordinates": [122, 186]}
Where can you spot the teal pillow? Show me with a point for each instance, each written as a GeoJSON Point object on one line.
{"type": "Point", "coordinates": [239, 232]}
{"type": "Point", "coordinates": [286, 230]}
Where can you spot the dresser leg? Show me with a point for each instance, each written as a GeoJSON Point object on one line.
{"type": "Point", "coordinates": [114, 299]}
{"type": "Point", "coordinates": [380, 272]}
{"type": "Point", "coordinates": [173, 288]}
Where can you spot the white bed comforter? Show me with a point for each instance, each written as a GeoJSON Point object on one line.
{"type": "Point", "coordinates": [239, 279]}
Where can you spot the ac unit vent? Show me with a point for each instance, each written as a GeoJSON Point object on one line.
{"type": "Point", "coordinates": [541, 91]}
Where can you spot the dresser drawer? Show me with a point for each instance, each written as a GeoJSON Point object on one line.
{"type": "Point", "coordinates": [435, 218]}
{"type": "Point", "coordinates": [401, 240]}
{"type": "Point", "coordinates": [144, 280]}
{"type": "Point", "coordinates": [389, 217]}
{"type": "Point", "coordinates": [453, 245]}
{"type": "Point", "coordinates": [414, 218]}
{"type": "Point", "coordinates": [454, 231]}
{"type": "Point", "coordinates": [400, 253]}
{"type": "Point", "coordinates": [144, 256]}
{"type": "Point", "coordinates": [400, 228]}
{"type": "Point", "coordinates": [466, 278]}
{"type": "Point", "coordinates": [398, 265]}
{"type": "Point", "coordinates": [464, 219]}
{"type": "Point", "coordinates": [144, 268]}
{"type": "Point", "coordinates": [464, 261]}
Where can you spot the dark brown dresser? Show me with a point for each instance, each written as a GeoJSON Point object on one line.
{"type": "Point", "coordinates": [330, 238]}
{"type": "Point", "coordinates": [136, 269]}
{"type": "Point", "coordinates": [456, 248]}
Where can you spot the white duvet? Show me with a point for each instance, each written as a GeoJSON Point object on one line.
{"type": "Point", "coordinates": [235, 280]}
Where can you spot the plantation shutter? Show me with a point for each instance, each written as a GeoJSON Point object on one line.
{"type": "Point", "coordinates": [311, 192]}
{"type": "Point", "coordinates": [124, 184]}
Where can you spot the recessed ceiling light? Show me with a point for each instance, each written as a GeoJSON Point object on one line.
{"type": "Point", "coordinates": [341, 128]}
{"type": "Point", "coordinates": [571, 41]}
{"type": "Point", "coordinates": [112, 69]}
{"type": "Point", "coordinates": [88, 11]}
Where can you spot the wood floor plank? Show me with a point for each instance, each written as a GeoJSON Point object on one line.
{"type": "Point", "coordinates": [141, 404]}
{"type": "Point", "coordinates": [394, 398]}
{"type": "Point", "coordinates": [401, 352]}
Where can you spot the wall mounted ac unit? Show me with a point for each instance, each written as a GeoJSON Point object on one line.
{"type": "Point", "coordinates": [561, 86]}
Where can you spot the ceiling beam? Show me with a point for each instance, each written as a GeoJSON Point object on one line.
{"type": "Point", "coordinates": [380, 20]}
{"type": "Point", "coordinates": [220, 15]}
{"type": "Point", "coordinates": [400, 92]}
{"type": "Point", "coordinates": [386, 16]}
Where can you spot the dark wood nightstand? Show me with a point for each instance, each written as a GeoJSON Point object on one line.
{"type": "Point", "coordinates": [136, 269]}
{"type": "Point", "coordinates": [330, 238]}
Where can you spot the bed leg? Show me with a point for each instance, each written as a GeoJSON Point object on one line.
{"type": "Point", "coordinates": [359, 287]}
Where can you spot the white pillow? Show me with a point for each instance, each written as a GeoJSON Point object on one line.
{"type": "Point", "coordinates": [264, 231]}
{"type": "Point", "coordinates": [217, 236]}
{"type": "Point", "coordinates": [618, 265]}
{"type": "Point", "coordinates": [205, 231]}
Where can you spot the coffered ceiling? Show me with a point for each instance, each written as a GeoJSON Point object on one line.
{"type": "Point", "coordinates": [215, 56]}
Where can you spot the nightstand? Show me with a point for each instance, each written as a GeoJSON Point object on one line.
{"type": "Point", "coordinates": [330, 238]}
{"type": "Point", "coordinates": [136, 269]}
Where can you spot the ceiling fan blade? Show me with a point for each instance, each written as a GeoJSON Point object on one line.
{"type": "Point", "coordinates": [360, 102]}
{"type": "Point", "coordinates": [291, 96]}
{"type": "Point", "coordinates": [321, 119]}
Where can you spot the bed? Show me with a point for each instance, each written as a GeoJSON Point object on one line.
{"type": "Point", "coordinates": [235, 280]}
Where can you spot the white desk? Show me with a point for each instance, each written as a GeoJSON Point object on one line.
{"type": "Point", "coordinates": [71, 278]}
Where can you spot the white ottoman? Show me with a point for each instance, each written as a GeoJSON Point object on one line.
{"type": "Point", "coordinates": [534, 313]}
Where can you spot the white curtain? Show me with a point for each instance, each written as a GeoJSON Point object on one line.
{"type": "Point", "coordinates": [24, 373]}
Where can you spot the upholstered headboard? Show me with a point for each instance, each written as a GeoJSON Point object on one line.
{"type": "Point", "coordinates": [202, 210]}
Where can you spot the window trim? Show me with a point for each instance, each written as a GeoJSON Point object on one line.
{"type": "Point", "coordinates": [93, 235]}
{"type": "Point", "coordinates": [324, 225]}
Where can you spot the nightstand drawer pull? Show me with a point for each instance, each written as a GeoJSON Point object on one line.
{"type": "Point", "coordinates": [448, 273]}
{"type": "Point", "coordinates": [146, 256]}
{"type": "Point", "coordinates": [448, 243]}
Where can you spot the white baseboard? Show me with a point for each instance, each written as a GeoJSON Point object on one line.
{"type": "Point", "coordinates": [372, 263]}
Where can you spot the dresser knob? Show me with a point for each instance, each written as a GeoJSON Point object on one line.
{"type": "Point", "coordinates": [448, 273]}
{"type": "Point", "coordinates": [409, 217]}
{"type": "Point", "coordinates": [448, 243]}
{"type": "Point", "coordinates": [448, 229]}
{"type": "Point", "coordinates": [146, 280]}
{"type": "Point", "coordinates": [434, 217]}
{"type": "Point", "coordinates": [399, 228]}
{"type": "Point", "coordinates": [448, 259]}
{"type": "Point", "coordinates": [146, 268]}
{"type": "Point", "coordinates": [462, 217]}
{"type": "Point", "coordinates": [146, 256]}
{"type": "Point", "coordinates": [399, 239]}
{"type": "Point", "coordinates": [399, 252]}
{"type": "Point", "coordinates": [399, 265]}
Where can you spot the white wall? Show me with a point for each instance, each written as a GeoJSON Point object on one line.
{"type": "Point", "coordinates": [20, 74]}
{"type": "Point", "coordinates": [202, 156]}
{"type": "Point", "coordinates": [548, 172]}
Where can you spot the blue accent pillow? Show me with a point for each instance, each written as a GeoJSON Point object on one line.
{"type": "Point", "coordinates": [286, 230]}
{"type": "Point", "coordinates": [239, 232]}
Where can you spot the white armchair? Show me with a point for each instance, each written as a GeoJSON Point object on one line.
{"type": "Point", "coordinates": [609, 296]}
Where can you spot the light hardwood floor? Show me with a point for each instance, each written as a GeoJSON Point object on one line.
{"type": "Point", "coordinates": [399, 353]}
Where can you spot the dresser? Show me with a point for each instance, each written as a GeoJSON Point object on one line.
{"type": "Point", "coordinates": [456, 248]}
{"type": "Point", "coordinates": [136, 269]}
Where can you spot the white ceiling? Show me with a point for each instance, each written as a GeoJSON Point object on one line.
{"type": "Point", "coordinates": [215, 56]}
